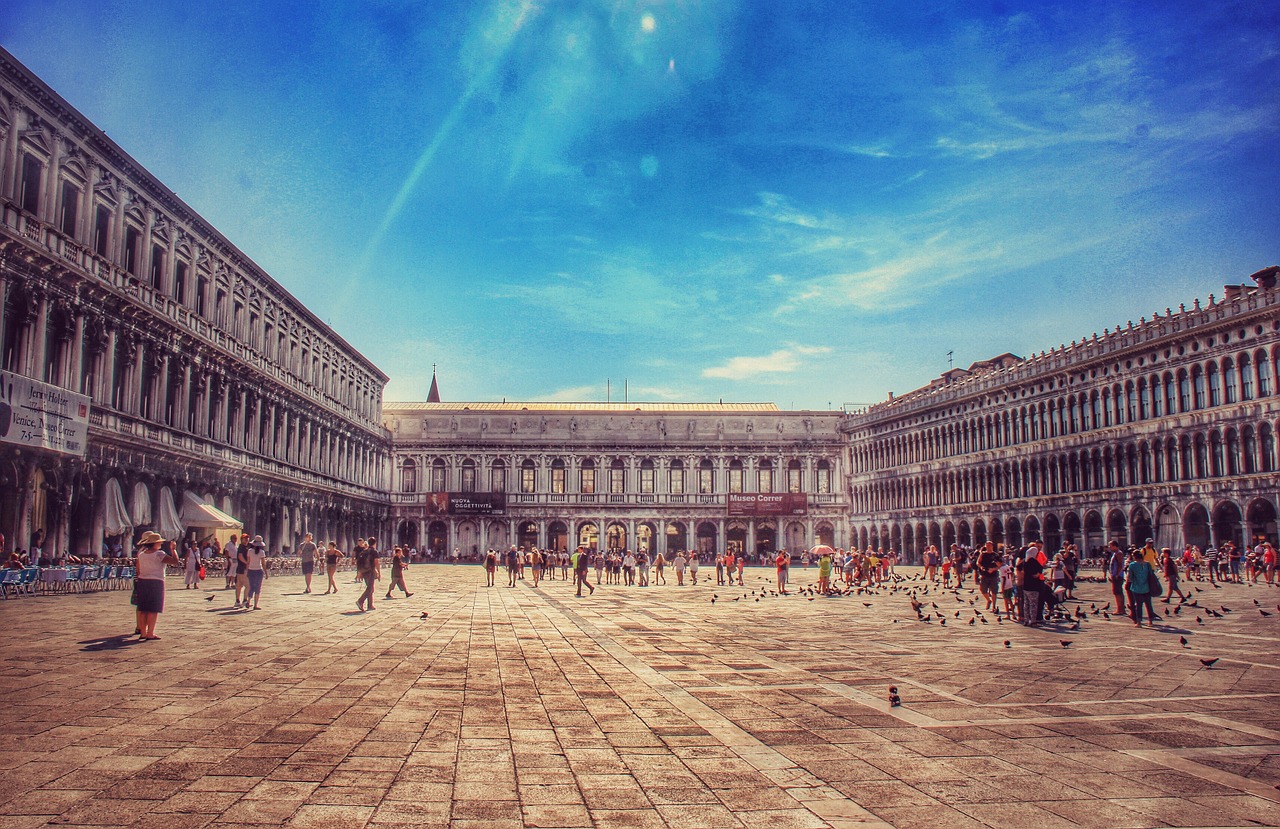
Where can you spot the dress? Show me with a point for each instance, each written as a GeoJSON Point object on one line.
{"type": "Point", "coordinates": [149, 587]}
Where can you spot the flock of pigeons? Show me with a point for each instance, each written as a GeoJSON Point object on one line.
{"type": "Point", "coordinates": [926, 610]}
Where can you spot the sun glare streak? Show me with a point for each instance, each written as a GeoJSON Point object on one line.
{"type": "Point", "coordinates": [504, 40]}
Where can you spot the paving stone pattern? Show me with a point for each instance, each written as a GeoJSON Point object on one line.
{"type": "Point", "coordinates": [632, 708]}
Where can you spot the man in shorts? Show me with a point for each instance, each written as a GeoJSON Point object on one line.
{"type": "Point", "coordinates": [229, 553]}
{"type": "Point", "coordinates": [307, 554]}
{"type": "Point", "coordinates": [988, 572]}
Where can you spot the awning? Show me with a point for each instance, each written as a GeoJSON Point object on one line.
{"type": "Point", "coordinates": [115, 516]}
{"type": "Point", "coordinates": [197, 513]}
{"type": "Point", "coordinates": [167, 522]}
{"type": "Point", "coordinates": [141, 506]}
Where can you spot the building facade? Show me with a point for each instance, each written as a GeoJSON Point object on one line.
{"type": "Point", "coordinates": [659, 477]}
{"type": "Point", "coordinates": [1162, 429]}
{"type": "Point", "coordinates": [204, 375]}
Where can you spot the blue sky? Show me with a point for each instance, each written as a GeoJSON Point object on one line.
{"type": "Point", "coordinates": [808, 203]}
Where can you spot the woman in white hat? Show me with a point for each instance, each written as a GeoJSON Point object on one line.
{"type": "Point", "coordinates": [148, 589]}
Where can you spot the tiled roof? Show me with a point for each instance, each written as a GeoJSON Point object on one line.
{"type": "Point", "coordinates": [727, 408]}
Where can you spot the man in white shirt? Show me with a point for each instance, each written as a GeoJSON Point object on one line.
{"type": "Point", "coordinates": [229, 554]}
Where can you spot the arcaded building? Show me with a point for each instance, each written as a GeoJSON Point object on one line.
{"type": "Point", "coordinates": [640, 476]}
{"type": "Point", "coordinates": [171, 368]}
{"type": "Point", "coordinates": [1164, 428]}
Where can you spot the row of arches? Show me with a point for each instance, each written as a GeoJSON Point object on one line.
{"type": "Point", "coordinates": [469, 538]}
{"type": "Point", "coordinates": [1168, 524]}
{"type": "Point", "coordinates": [1194, 455]}
{"type": "Point", "coordinates": [1241, 376]}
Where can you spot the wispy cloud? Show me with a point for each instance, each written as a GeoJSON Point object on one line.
{"type": "Point", "coordinates": [782, 361]}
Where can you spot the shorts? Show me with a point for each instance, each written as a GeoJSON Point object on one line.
{"type": "Point", "coordinates": [308, 567]}
{"type": "Point", "coordinates": [989, 583]}
{"type": "Point", "coordinates": [150, 595]}
{"type": "Point", "coordinates": [1007, 592]}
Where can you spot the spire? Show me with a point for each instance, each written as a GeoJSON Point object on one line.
{"type": "Point", "coordinates": [433, 396]}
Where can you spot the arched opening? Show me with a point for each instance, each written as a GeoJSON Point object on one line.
{"type": "Point", "coordinates": [1262, 521]}
{"type": "Point", "coordinates": [795, 538]}
{"type": "Point", "coordinates": [1195, 525]}
{"type": "Point", "coordinates": [1052, 533]}
{"type": "Point", "coordinates": [677, 537]}
{"type": "Point", "coordinates": [409, 476]}
{"type": "Point", "coordinates": [527, 534]}
{"type": "Point", "coordinates": [707, 538]}
{"type": "Point", "coordinates": [935, 535]}
{"type": "Point", "coordinates": [1227, 524]}
{"type": "Point", "coordinates": [437, 538]}
{"type": "Point", "coordinates": [1031, 529]}
{"type": "Point", "coordinates": [979, 532]}
{"type": "Point", "coordinates": [766, 537]}
{"type": "Point", "coordinates": [558, 536]}
{"type": "Point", "coordinates": [895, 539]}
{"type": "Point", "coordinates": [963, 536]}
{"type": "Point", "coordinates": [645, 535]}
{"type": "Point", "coordinates": [735, 537]}
{"type": "Point", "coordinates": [1117, 528]}
{"type": "Point", "coordinates": [468, 540]}
{"type": "Point", "coordinates": [588, 535]}
{"type": "Point", "coordinates": [826, 534]}
{"type": "Point", "coordinates": [1167, 531]}
{"type": "Point", "coordinates": [1071, 532]}
{"type": "Point", "coordinates": [1094, 538]}
{"type": "Point", "coordinates": [1141, 524]}
{"type": "Point", "coordinates": [1013, 533]}
{"type": "Point", "coordinates": [407, 534]}
{"type": "Point", "coordinates": [948, 535]}
{"type": "Point", "coordinates": [996, 531]}
{"type": "Point", "coordinates": [615, 537]}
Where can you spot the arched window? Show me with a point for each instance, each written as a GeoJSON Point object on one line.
{"type": "Point", "coordinates": [1184, 392]}
{"type": "Point", "coordinates": [617, 477]}
{"type": "Point", "coordinates": [409, 476]}
{"type": "Point", "coordinates": [675, 477]}
{"type": "Point", "coordinates": [1197, 381]}
{"type": "Point", "coordinates": [1233, 452]}
{"type": "Point", "coordinates": [1228, 380]}
{"type": "Point", "coordinates": [559, 477]}
{"type": "Point", "coordinates": [824, 477]}
{"type": "Point", "coordinates": [1267, 443]}
{"type": "Point", "coordinates": [706, 477]}
{"type": "Point", "coordinates": [1170, 395]}
{"type": "Point", "coordinates": [528, 476]}
{"type": "Point", "coordinates": [1249, 451]}
{"type": "Point", "coordinates": [1215, 385]}
{"type": "Point", "coordinates": [1246, 378]}
{"type": "Point", "coordinates": [498, 477]}
{"type": "Point", "coordinates": [764, 476]}
{"type": "Point", "coordinates": [468, 476]}
{"type": "Point", "coordinates": [646, 477]}
{"type": "Point", "coordinates": [735, 476]}
{"type": "Point", "coordinates": [439, 476]}
{"type": "Point", "coordinates": [1264, 374]}
{"type": "Point", "coordinates": [587, 477]}
{"type": "Point", "coordinates": [795, 477]}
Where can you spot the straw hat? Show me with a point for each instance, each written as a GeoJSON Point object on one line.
{"type": "Point", "coordinates": [150, 537]}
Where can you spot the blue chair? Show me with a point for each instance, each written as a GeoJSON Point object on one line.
{"type": "Point", "coordinates": [30, 578]}
{"type": "Point", "coordinates": [10, 580]}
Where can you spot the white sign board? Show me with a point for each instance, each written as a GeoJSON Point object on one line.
{"type": "Point", "coordinates": [42, 416]}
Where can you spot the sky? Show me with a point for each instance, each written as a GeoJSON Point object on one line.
{"type": "Point", "coordinates": [806, 203]}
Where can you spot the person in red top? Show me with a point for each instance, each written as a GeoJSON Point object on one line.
{"type": "Point", "coordinates": [784, 566]}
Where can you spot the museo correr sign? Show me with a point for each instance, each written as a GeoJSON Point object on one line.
{"type": "Point", "coordinates": [41, 416]}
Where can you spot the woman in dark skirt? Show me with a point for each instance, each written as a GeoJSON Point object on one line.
{"type": "Point", "coordinates": [148, 589]}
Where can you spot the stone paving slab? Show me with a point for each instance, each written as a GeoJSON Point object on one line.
{"type": "Point", "coordinates": [635, 707]}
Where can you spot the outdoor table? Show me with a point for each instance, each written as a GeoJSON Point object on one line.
{"type": "Point", "coordinates": [54, 577]}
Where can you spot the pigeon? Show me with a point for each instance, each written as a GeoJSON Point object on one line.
{"type": "Point", "coordinates": [971, 621]}
{"type": "Point", "coordinates": [1184, 641]}
{"type": "Point", "coordinates": [1007, 644]}
{"type": "Point", "coordinates": [1208, 663]}
{"type": "Point", "coordinates": [1264, 612]}
{"type": "Point", "coordinates": [1199, 621]}
{"type": "Point", "coordinates": [1066, 643]}
{"type": "Point", "coordinates": [424, 615]}
{"type": "Point", "coordinates": [1226, 609]}
{"type": "Point", "coordinates": [208, 598]}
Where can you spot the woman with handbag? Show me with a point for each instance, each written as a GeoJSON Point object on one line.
{"type": "Point", "coordinates": [191, 566]}
{"type": "Point", "coordinates": [148, 587]}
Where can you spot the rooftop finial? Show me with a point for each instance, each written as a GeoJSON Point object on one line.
{"type": "Point", "coordinates": [433, 396]}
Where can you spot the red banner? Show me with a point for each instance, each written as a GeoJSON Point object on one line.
{"type": "Point", "coordinates": [767, 503]}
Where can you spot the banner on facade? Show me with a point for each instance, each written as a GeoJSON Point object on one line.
{"type": "Point", "coordinates": [42, 416]}
{"type": "Point", "coordinates": [466, 503]}
{"type": "Point", "coordinates": [767, 503]}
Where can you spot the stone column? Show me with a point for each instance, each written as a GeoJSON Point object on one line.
{"type": "Point", "coordinates": [74, 378]}
{"type": "Point", "coordinates": [39, 329]}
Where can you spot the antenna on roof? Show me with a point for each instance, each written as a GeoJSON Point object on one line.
{"type": "Point", "coordinates": [950, 361]}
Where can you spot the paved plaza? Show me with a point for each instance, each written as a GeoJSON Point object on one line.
{"type": "Point", "coordinates": [632, 708]}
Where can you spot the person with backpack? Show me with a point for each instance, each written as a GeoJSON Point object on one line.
{"type": "Point", "coordinates": [1140, 582]}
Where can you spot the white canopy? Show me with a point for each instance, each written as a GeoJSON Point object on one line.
{"type": "Point", "coordinates": [197, 513]}
{"type": "Point", "coordinates": [167, 522]}
{"type": "Point", "coordinates": [141, 506]}
{"type": "Point", "coordinates": [115, 516]}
